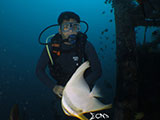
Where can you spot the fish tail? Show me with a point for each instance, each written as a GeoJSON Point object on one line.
{"type": "Point", "coordinates": [82, 117]}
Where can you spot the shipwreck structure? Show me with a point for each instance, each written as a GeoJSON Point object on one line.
{"type": "Point", "coordinates": [127, 17]}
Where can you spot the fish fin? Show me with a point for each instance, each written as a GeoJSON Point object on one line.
{"type": "Point", "coordinates": [79, 73]}
{"type": "Point", "coordinates": [95, 92]}
{"type": "Point", "coordinates": [109, 106]}
{"type": "Point", "coordinates": [82, 117]}
{"type": "Point", "coordinates": [95, 105]}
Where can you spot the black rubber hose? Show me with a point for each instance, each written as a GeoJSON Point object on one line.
{"type": "Point", "coordinates": [39, 38]}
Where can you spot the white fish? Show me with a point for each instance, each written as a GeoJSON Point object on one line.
{"type": "Point", "coordinates": [77, 98]}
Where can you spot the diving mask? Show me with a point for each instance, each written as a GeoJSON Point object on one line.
{"type": "Point", "coordinates": [74, 26]}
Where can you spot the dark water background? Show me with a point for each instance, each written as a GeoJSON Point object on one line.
{"type": "Point", "coordinates": [20, 24]}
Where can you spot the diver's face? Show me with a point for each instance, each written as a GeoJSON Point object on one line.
{"type": "Point", "coordinates": [66, 34]}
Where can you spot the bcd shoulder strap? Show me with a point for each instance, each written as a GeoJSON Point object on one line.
{"type": "Point", "coordinates": [81, 42]}
{"type": "Point", "coordinates": [54, 48]}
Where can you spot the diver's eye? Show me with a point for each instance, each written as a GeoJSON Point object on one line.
{"type": "Point", "coordinates": [76, 27]}
{"type": "Point", "coordinates": [66, 26]}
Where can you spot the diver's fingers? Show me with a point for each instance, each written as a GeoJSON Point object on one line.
{"type": "Point", "coordinates": [60, 95]}
{"type": "Point", "coordinates": [58, 90]}
{"type": "Point", "coordinates": [61, 89]}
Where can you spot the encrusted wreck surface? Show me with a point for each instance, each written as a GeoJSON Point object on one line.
{"type": "Point", "coordinates": [127, 17]}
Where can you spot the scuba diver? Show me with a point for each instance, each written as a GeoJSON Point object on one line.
{"type": "Point", "coordinates": [66, 51]}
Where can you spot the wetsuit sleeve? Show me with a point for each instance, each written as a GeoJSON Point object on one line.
{"type": "Point", "coordinates": [95, 71]}
{"type": "Point", "coordinates": [41, 70]}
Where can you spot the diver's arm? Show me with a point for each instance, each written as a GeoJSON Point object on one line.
{"type": "Point", "coordinates": [41, 70]}
{"type": "Point", "coordinates": [95, 70]}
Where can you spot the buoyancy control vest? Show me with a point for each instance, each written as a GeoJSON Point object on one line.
{"type": "Point", "coordinates": [56, 50]}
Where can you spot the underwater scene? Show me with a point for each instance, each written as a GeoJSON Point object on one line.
{"type": "Point", "coordinates": [79, 59]}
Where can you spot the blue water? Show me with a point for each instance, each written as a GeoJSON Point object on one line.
{"type": "Point", "coordinates": [21, 21]}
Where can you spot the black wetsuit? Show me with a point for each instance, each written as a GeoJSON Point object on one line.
{"type": "Point", "coordinates": [66, 60]}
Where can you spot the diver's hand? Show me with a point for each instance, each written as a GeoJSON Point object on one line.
{"type": "Point", "coordinates": [58, 90]}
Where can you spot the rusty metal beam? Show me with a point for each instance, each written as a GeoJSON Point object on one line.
{"type": "Point", "coordinates": [126, 19]}
{"type": "Point", "coordinates": [126, 87]}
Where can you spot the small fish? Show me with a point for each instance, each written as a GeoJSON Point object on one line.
{"type": "Point", "coordinates": [108, 1]}
{"type": "Point", "coordinates": [106, 30]}
{"type": "Point", "coordinates": [111, 10]}
{"type": "Point", "coordinates": [107, 38]}
{"type": "Point", "coordinates": [103, 12]}
{"type": "Point", "coordinates": [102, 32]}
{"type": "Point", "coordinates": [101, 49]}
{"type": "Point", "coordinates": [110, 20]}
